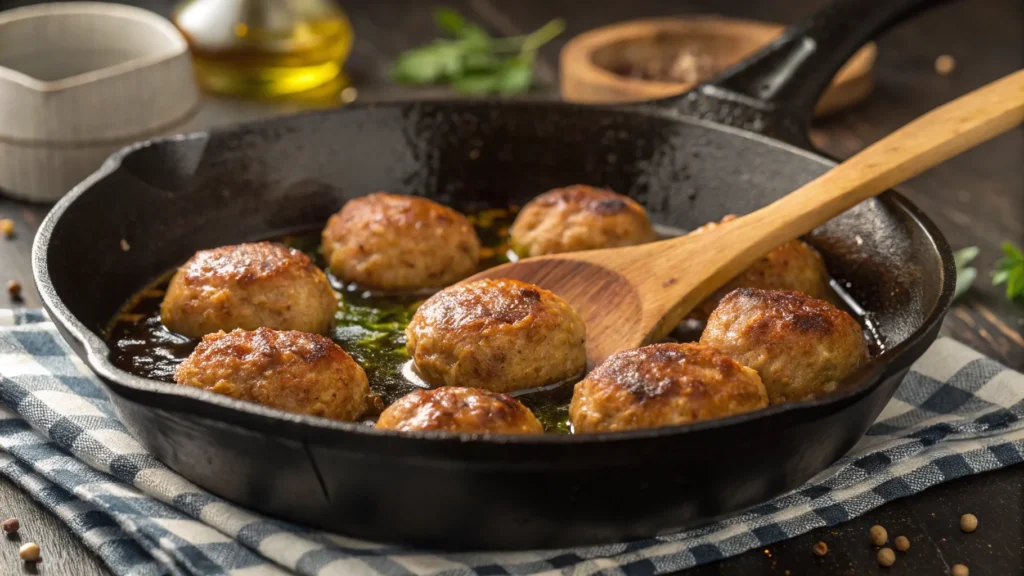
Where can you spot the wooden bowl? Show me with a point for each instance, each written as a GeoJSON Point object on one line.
{"type": "Point", "coordinates": [80, 80]}
{"type": "Point", "coordinates": [594, 64]}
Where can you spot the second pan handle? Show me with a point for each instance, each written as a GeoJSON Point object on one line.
{"type": "Point", "coordinates": [775, 90]}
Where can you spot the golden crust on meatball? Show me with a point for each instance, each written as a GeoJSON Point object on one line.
{"type": "Point", "coordinates": [400, 243]}
{"type": "Point", "coordinates": [499, 335]}
{"type": "Point", "coordinates": [293, 371]}
{"type": "Point", "coordinates": [801, 346]}
{"type": "Point", "coordinates": [453, 409]}
{"type": "Point", "coordinates": [579, 218]}
{"type": "Point", "coordinates": [793, 266]}
{"type": "Point", "coordinates": [663, 385]}
{"type": "Point", "coordinates": [248, 286]}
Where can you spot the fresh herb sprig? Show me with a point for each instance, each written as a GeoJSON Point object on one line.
{"type": "Point", "coordinates": [1010, 271]}
{"type": "Point", "coordinates": [473, 62]}
{"type": "Point", "coordinates": [965, 274]}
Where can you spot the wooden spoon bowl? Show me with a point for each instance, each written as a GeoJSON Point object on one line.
{"type": "Point", "coordinates": [635, 295]}
{"type": "Point", "coordinates": [595, 64]}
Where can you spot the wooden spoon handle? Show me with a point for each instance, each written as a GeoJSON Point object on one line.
{"type": "Point", "coordinates": [731, 248]}
{"type": "Point", "coordinates": [914, 148]}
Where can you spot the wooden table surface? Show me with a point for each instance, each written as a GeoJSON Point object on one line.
{"type": "Point", "coordinates": [976, 199]}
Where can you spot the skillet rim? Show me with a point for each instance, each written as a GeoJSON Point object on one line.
{"type": "Point", "coordinates": [168, 397]}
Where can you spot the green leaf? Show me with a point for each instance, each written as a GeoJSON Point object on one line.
{"type": "Point", "coordinates": [965, 276]}
{"type": "Point", "coordinates": [516, 76]}
{"type": "Point", "coordinates": [964, 279]}
{"type": "Point", "coordinates": [450, 20]}
{"type": "Point", "coordinates": [480, 61]}
{"type": "Point", "coordinates": [1013, 252]}
{"type": "Point", "coordinates": [477, 84]}
{"type": "Point", "coordinates": [965, 256]}
{"type": "Point", "coordinates": [476, 37]}
{"type": "Point", "coordinates": [429, 64]}
{"type": "Point", "coordinates": [1015, 285]}
{"type": "Point", "coordinates": [1000, 277]}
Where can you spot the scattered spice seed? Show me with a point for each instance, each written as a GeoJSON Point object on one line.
{"type": "Point", "coordinates": [7, 227]}
{"type": "Point", "coordinates": [14, 289]}
{"type": "Point", "coordinates": [968, 522]}
{"type": "Point", "coordinates": [960, 570]}
{"type": "Point", "coordinates": [11, 525]}
{"type": "Point", "coordinates": [29, 552]}
{"type": "Point", "coordinates": [902, 544]}
{"type": "Point", "coordinates": [945, 65]}
{"type": "Point", "coordinates": [878, 535]}
{"type": "Point", "coordinates": [820, 549]}
{"type": "Point", "coordinates": [886, 557]}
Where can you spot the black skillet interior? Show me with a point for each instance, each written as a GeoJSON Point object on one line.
{"type": "Point", "coordinates": [168, 198]}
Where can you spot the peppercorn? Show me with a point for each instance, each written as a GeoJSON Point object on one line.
{"type": "Point", "coordinates": [14, 289]}
{"type": "Point", "coordinates": [7, 227]}
{"type": "Point", "coordinates": [29, 552]}
{"type": "Point", "coordinates": [10, 526]}
{"type": "Point", "coordinates": [820, 549]}
{"type": "Point", "coordinates": [960, 570]}
{"type": "Point", "coordinates": [878, 535]}
{"type": "Point", "coordinates": [945, 65]}
{"type": "Point", "coordinates": [902, 544]}
{"type": "Point", "coordinates": [968, 522]}
{"type": "Point", "coordinates": [886, 557]}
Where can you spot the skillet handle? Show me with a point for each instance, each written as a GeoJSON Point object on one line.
{"type": "Point", "coordinates": [774, 92]}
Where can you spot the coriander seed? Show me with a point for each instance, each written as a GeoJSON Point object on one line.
{"type": "Point", "coordinates": [7, 227]}
{"type": "Point", "coordinates": [902, 544]}
{"type": "Point", "coordinates": [886, 557]}
{"type": "Point", "coordinates": [29, 552]}
{"type": "Point", "coordinates": [959, 570]}
{"type": "Point", "coordinates": [14, 289]}
{"type": "Point", "coordinates": [945, 65]}
{"type": "Point", "coordinates": [10, 526]}
{"type": "Point", "coordinates": [820, 549]}
{"type": "Point", "coordinates": [968, 522]}
{"type": "Point", "coordinates": [878, 535]}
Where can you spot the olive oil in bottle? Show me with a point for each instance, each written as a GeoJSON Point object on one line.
{"type": "Point", "coordinates": [265, 48]}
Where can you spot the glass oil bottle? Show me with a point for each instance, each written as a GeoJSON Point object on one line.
{"type": "Point", "coordinates": [265, 48]}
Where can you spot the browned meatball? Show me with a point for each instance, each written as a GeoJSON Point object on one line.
{"type": "Point", "coordinates": [663, 385]}
{"type": "Point", "coordinates": [400, 243]}
{"type": "Point", "coordinates": [453, 409]}
{"type": "Point", "coordinates": [248, 286]}
{"type": "Point", "coordinates": [801, 346]}
{"type": "Point", "coordinates": [499, 335]}
{"type": "Point", "coordinates": [293, 371]}
{"type": "Point", "coordinates": [793, 266]}
{"type": "Point", "coordinates": [579, 218]}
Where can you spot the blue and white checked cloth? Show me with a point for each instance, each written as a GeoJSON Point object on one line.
{"type": "Point", "coordinates": [957, 413]}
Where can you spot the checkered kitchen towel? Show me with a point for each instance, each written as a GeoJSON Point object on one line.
{"type": "Point", "coordinates": [957, 413]}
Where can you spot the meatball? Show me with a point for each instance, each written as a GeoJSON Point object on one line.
{"type": "Point", "coordinates": [664, 385]}
{"type": "Point", "coordinates": [801, 346]}
{"type": "Point", "coordinates": [453, 409]}
{"type": "Point", "coordinates": [499, 335]}
{"type": "Point", "coordinates": [579, 218]}
{"type": "Point", "coordinates": [292, 371]}
{"type": "Point", "coordinates": [793, 266]}
{"type": "Point", "coordinates": [249, 286]}
{"type": "Point", "coordinates": [400, 243]}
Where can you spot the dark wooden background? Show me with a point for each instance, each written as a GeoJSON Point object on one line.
{"type": "Point", "coordinates": [976, 199]}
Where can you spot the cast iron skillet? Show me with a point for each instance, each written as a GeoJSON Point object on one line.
{"type": "Point", "coordinates": [689, 159]}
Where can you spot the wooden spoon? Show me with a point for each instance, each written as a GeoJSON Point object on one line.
{"type": "Point", "coordinates": [632, 296]}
